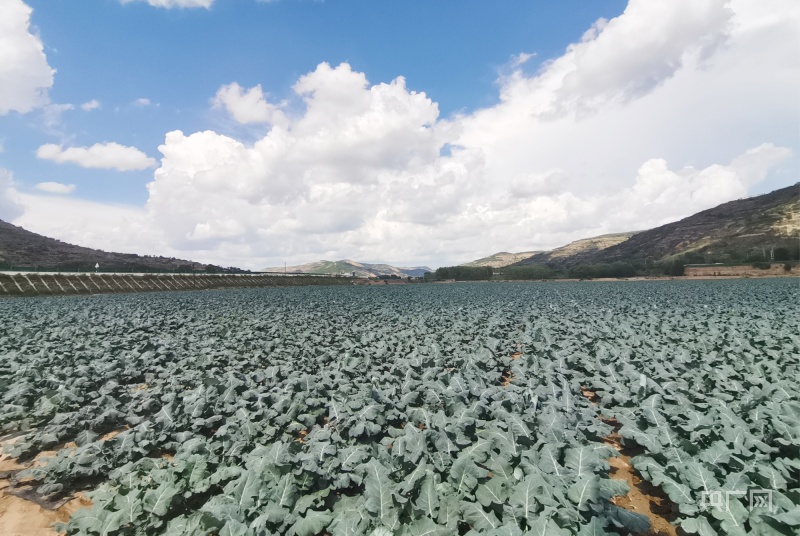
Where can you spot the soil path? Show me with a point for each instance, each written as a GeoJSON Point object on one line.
{"type": "Point", "coordinates": [642, 497]}
{"type": "Point", "coordinates": [21, 517]}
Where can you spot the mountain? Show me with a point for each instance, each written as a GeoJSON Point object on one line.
{"type": "Point", "coordinates": [744, 230]}
{"type": "Point", "coordinates": [347, 267]}
{"type": "Point", "coordinates": [20, 248]}
{"type": "Point", "coordinates": [499, 260]}
{"type": "Point", "coordinates": [577, 250]}
{"type": "Point", "coordinates": [585, 246]}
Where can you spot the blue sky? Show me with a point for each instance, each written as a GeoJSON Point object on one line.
{"type": "Point", "coordinates": [253, 133]}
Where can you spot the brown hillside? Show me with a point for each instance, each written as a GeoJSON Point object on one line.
{"type": "Point", "coordinates": [20, 248]}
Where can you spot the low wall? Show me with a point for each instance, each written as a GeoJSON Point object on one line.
{"type": "Point", "coordinates": [35, 284]}
{"type": "Point", "coordinates": [740, 270]}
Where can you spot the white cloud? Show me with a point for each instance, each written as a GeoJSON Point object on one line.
{"type": "Point", "coordinates": [625, 58]}
{"type": "Point", "coordinates": [93, 104]}
{"type": "Point", "coordinates": [353, 141]}
{"type": "Point", "coordinates": [10, 205]}
{"type": "Point", "coordinates": [142, 102]}
{"type": "Point", "coordinates": [110, 227]}
{"type": "Point", "coordinates": [598, 124]}
{"type": "Point", "coordinates": [248, 106]}
{"type": "Point", "coordinates": [664, 111]}
{"type": "Point", "coordinates": [55, 187]}
{"type": "Point", "coordinates": [567, 153]}
{"type": "Point", "coordinates": [51, 117]}
{"type": "Point", "coordinates": [25, 76]}
{"type": "Point", "coordinates": [169, 4]}
{"type": "Point", "coordinates": [107, 155]}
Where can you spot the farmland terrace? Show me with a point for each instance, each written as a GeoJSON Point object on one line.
{"type": "Point", "coordinates": [53, 283]}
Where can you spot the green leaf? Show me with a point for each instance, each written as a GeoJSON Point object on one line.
{"type": "Point", "coordinates": [584, 491]}
{"type": "Point", "coordinates": [610, 487]}
{"type": "Point", "coordinates": [581, 460]}
{"type": "Point", "coordinates": [378, 491]}
{"type": "Point", "coordinates": [428, 499]}
{"type": "Point", "coordinates": [272, 513]}
{"type": "Point", "coordinates": [234, 528]}
{"type": "Point", "coordinates": [492, 492]}
{"type": "Point", "coordinates": [480, 519]}
{"type": "Point", "coordinates": [349, 517]}
{"type": "Point", "coordinates": [196, 474]}
{"type": "Point", "coordinates": [523, 496]}
{"type": "Point", "coordinates": [416, 476]}
{"type": "Point", "coordinates": [545, 526]}
{"type": "Point", "coordinates": [593, 528]}
{"type": "Point", "coordinates": [731, 517]}
{"type": "Point", "coordinates": [312, 523]}
{"type": "Point", "coordinates": [85, 437]}
{"type": "Point", "coordinates": [285, 493]}
{"type": "Point", "coordinates": [130, 506]}
{"type": "Point", "coordinates": [307, 500]}
{"type": "Point", "coordinates": [632, 521]}
{"type": "Point", "coordinates": [96, 521]}
{"type": "Point", "coordinates": [698, 477]}
{"type": "Point", "coordinates": [548, 459]}
{"type": "Point", "coordinates": [427, 527]}
{"type": "Point", "coordinates": [449, 507]}
{"type": "Point", "coordinates": [157, 501]}
{"type": "Point", "coordinates": [698, 525]}
{"type": "Point", "coordinates": [464, 474]}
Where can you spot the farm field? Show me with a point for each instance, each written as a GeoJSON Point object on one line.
{"type": "Point", "coordinates": [419, 410]}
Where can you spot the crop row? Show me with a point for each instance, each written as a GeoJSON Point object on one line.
{"type": "Point", "coordinates": [416, 410]}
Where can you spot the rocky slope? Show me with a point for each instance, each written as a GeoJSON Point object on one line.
{"type": "Point", "coordinates": [579, 249]}
{"type": "Point", "coordinates": [499, 260]}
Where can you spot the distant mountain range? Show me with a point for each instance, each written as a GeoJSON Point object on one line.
{"type": "Point", "coordinates": [348, 267]}
{"type": "Point", "coordinates": [585, 245]}
{"type": "Point", "coordinates": [20, 248]}
{"type": "Point", "coordinates": [499, 260]}
{"type": "Point", "coordinates": [579, 249]}
{"type": "Point", "coordinates": [744, 230]}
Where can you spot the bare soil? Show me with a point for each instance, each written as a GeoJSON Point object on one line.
{"type": "Point", "coordinates": [22, 511]}
{"type": "Point", "coordinates": [642, 497]}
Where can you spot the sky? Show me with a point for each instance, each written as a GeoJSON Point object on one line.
{"type": "Point", "coordinates": [255, 133]}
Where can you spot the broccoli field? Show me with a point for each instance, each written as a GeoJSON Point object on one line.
{"type": "Point", "coordinates": [419, 410]}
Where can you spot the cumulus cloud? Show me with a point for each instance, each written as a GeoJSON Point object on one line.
{"type": "Point", "coordinates": [574, 150]}
{"type": "Point", "coordinates": [110, 227]}
{"type": "Point", "coordinates": [10, 205]}
{"type": "Point", "coordinates": [700, 111]}
{"type": "Point", "coordinates": [624, 58]}
{"type": "Point", "coordinates": [55, 187]}
{"type": "Point", "coordinates": [169, 4]}
{"type": "Point", "coordinates": [664, 111]}
{"type": "Point", "coordinates": [93, 104]}
{"type": "Point", "coordinates": [142, 102]}
{"type": "Point", "coordinates": [661, 195]}
{"type": "Point", "coordinates": [248, 105]}
{"type": "Point", "coordinates": [25, 76]}
{"type": "Point", "coordinates": [352, 141]}
{"type": "Point", "coordinates": [107, 155]}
